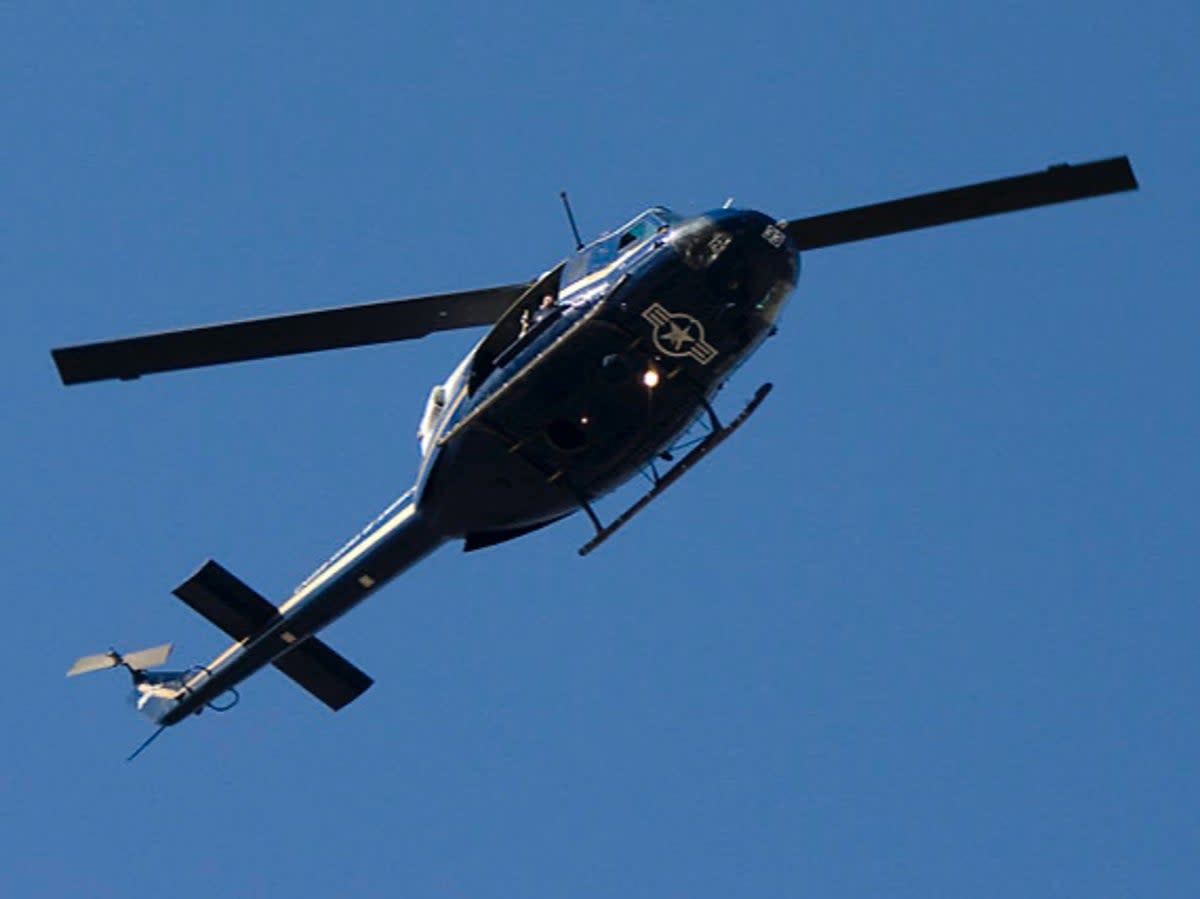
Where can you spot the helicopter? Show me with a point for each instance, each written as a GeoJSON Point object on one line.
{"type": "Point", "coordinates": [589, 374]}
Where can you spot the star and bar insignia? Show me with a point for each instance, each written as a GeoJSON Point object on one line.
{"type": "Point", "coordinates": [679, 335]}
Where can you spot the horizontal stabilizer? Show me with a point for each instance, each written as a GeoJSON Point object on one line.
{"type": "Point", "coordinates": [226, 601]}
{"type": "Point", "coordinates": [240, 611]}
{"type": "Point", "coordinates": [324, 673]}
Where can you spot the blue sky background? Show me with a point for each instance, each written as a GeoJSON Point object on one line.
{"type": "Point", "coordinates": [925, 627]}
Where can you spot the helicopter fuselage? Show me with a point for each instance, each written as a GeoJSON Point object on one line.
{"type": "Point", "coordinates": [626, 360]}
{"type": "Point", "coordinates": [602, 378]}
{"type": "Point", "coordinates": [588, 375]}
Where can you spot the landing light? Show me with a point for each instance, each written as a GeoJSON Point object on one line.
{"type": "Point", "coordinates": [650, 378]}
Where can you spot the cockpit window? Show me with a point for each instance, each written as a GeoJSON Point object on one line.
{"type": "Point", "coordinates": [640, 231]}
{"type": "Point", "coordinates": [601, 252]}
{"type": "Point", "coordinates": [646, 225]}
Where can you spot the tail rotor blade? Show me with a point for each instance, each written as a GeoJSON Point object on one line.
{"type": "Point", "coordinates": [148, 658]}
{"type": "Point", "coordinates": [134, 661]}
{"type": "Point", "coordinates": [99, 662]}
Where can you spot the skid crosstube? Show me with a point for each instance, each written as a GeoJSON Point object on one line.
{"type": "Point", "coordinates": [698, 452]}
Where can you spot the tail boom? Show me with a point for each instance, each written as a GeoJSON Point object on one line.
{"type": "Point", "coordinates": [284, 636]}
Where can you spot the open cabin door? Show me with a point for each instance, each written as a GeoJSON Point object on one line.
{"type": "Point", "coordinates": [508, 329]}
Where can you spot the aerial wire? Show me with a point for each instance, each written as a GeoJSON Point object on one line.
{"type": "Point", "coordinates": [562, 195]}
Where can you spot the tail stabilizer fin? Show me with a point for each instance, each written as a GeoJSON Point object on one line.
{"type": "Point", "coordinates": [324, 673]}
{"type": "Point", "coordinates": [240, 611]}
{"type": "Point", "coordinates": [226, 601]}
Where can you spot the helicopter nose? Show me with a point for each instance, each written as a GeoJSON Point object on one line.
{"type": "Point", "coordinates": [745, 257]}
{"type": "Point", "coordinates": [756, 238]}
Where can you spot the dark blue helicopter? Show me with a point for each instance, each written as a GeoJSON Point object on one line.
{"type": "Point", "coordinates": [588, 375]}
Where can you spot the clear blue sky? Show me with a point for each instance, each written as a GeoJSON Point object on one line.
{"type": "Point", "coordinates": [925, 627]}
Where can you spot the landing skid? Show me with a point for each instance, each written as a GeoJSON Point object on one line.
{"type": "Point", "coordinates": [678, 470]}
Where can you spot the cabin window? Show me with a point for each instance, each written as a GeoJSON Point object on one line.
{"type": "Point", "coordinates": [434, 407]}
{"type": "Point", "coordinates": [575, 268]}
{"type": "Point", "coordinates": [604, 251]}
{"type": "Point", "coordinates": [641, 230]}
{"type": "Point", "coordinates": [590, 259]}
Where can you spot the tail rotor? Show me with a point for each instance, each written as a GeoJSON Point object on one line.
{"type": "Point", "coordinates": [136, 663]}
{"type": "Point", "coordinates": [153, 693]}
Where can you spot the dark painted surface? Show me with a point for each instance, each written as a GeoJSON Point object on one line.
{"type": "Point", "coordinates": [569, 417]}
{"type": "Point", "coordinates": [564, 413]}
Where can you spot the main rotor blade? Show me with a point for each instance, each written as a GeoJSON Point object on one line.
{"type": "Point", "coordinates": [1057, 184]}
{"type": "Point", "coordinates": [283, 335]}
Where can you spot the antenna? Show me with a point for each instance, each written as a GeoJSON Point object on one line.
{"type": "Point", "coordinates": [562, 194]}
{"type": "Point", "coordinates": [146, 742]}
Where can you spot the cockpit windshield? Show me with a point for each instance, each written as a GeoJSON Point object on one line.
{"type": "Point", "coordinates": [607, 249]}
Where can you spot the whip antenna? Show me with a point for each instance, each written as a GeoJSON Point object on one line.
{"type": "Point", "coordinates": [146, 742]}
{"type": "Point", "coordinates": [562, 194]}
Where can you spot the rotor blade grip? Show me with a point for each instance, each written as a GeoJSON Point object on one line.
{"type": "Point", "coordinates": [1057, 184]}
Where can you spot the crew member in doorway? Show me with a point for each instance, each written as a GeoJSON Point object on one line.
{"type": "Point", "coordinates": [540, 314]}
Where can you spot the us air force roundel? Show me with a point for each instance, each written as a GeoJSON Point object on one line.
{"type": "Point", "coordinates": [678, 334]}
